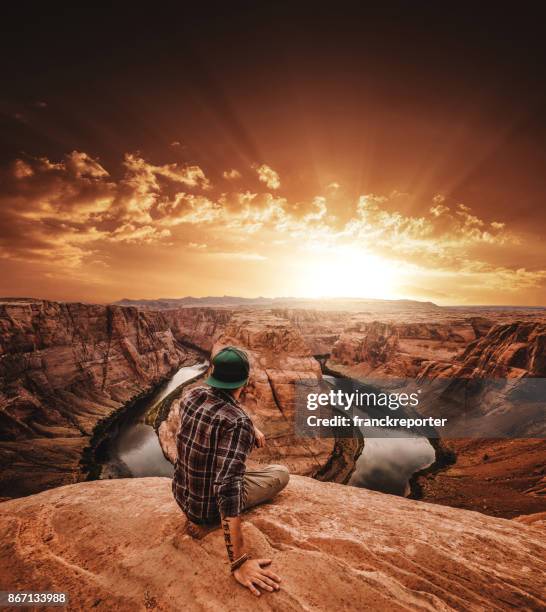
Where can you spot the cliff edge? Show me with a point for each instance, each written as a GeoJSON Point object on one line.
{"type": "Point", "coordinates": [115, 545]}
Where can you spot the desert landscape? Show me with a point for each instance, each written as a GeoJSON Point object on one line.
{"type": "Point", "coordinates": [70, 371]}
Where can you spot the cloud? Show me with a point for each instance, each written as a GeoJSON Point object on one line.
{"type": "Point", "coordinates": [267, 175]}
{"type": "Point", "coordinates": [138, 234]}
{"type": "Point", "coordinates": [439, 210]}
{"type": "Point", "coordinates": [190, 176]}
{"type": "Point", "coordinates": [66, 211]}
{"type": "Point", "coordinates": [81, 164]}
{"type": "Point", "coordinates": [21, 169]}
{"type": "Point", "coordinates": [231, 175]}
{"type": "Point", "coordinates": [76, 213]}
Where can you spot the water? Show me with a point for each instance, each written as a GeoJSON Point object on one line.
{"type": "Point", "coordinates": [135, 451]}
{"type": "Point", "coordinates": [387, 463]}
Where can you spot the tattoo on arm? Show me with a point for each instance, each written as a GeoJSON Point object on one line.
{"type": "Point", "coordinates": [227, 538]}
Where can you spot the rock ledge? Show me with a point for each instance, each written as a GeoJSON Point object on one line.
{"type": "Point", "coordinates": [113, 546]}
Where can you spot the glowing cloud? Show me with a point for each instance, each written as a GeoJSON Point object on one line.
{"type": "Point", "coordinates": [231, 175]}
{"type": "Point", "coordinates": [76, 217]}
{"type": "Point", "coordinates": [267, 175]}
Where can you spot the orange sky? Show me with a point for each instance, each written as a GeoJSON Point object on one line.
{"type": "Point", "coordinates": [274, 149]}
{"type": "Point", "coordinates": [71, 231]}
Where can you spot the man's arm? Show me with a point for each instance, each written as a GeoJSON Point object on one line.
{"type": "Point", "coordinates": [251, 573]}
{"type": "Point", "coordinates": [233, 536]}
{"type": "Point", "coordinates": [259, 436]}
{"type": "Point", "coordinates": [234, 445]}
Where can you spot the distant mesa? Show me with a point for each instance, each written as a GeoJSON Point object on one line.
{"type": "Point", "coordinates": [341, 303]}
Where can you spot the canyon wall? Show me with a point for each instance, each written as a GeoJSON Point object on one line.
{"type": "Point", "coordinates": [401, 349]}
{"type": "Point", "coordinates": [509, 350]}
{"type": "Point", "coordinates": [502, 477]}
{"type": "Point", "coordinates": [198, 327]}
{"type": "Point", "coordinates": [335, 548]}
{"type": "Point", "coordinates": [63, 369]}
{"type": "Point", "coordinates": [320, 329]}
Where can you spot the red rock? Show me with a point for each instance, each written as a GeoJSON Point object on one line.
{"type": "Point", "coordinates": [379, 349]}
{"type": "Point", "coordinates": [113, 545]}
{"type": "Point", "coordinates": [511, 480]}
{"type": "Point", "coordinates": [64, 368]}
{"type": "Point", "coordinates": [197, 326]}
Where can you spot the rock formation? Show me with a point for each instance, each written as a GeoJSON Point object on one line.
{"type": "Point", "coordinates": [63, 369]}
{"type": "Point", "coordinates": [199, 327]}
{"type": "Point", "coordinates": [401, 349]}
{"type": "Point", "coordinates": [320, 329]}
{"type": "Point", "coordinates": [116, 545]}
{"type": "Point", "coordinates": [503, 477]}
{"type": "Point", "coordinates": [498, 476]}
{"type": "Point", "coordinates": [279, 357]}
{"type": "Point", "coordinates": [510, 350]}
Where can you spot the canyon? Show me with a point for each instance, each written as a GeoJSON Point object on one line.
{"type": "Point", "coordinates": [501, 477]}
{"type": "Point", "coordinates": [64, 369]}
{"type": "Point", "coordinates": [279, 356]}
{"type": "Point", "coordinates": [118, 545]}
{"type": "Point", "coordinates": [67, 370]}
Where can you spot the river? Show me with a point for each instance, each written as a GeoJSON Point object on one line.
{"type": "Point", "coordinates": [133, 449]}
{"type": "Point", "coordinates": [387, 463]}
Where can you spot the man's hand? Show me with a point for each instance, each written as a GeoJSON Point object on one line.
{"type": "Point", "coordinates": [252, 575]}
{"type": "Point", "coordinates": [260, 438]}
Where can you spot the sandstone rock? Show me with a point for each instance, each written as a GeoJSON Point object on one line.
{"type": "Point", "coordinates": [508, 351]}
{"type": "Point", "coordinates": [113, 545]}
{"type": "Point", "coordinates": [537, 520]}
{"type": "Point", "coordinates": [502, 477]}
{"type": "Point", "coordinates": [320, 329]}
{"type": "Point", "coordinates": [64, 368]}
{"type": "Point", "coordinates": [384, 349]}
{"type": "Point", "coordinates": [198, 327]}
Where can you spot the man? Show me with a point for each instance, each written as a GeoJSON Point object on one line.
{"type": "Point", "coordinates": [211, 483]}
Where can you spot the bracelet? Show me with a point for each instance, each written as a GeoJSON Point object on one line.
{"type": "Point", "coordinates": [238, 562]}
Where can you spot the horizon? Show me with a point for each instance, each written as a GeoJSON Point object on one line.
{"type": "Point", "coordinates": [14, 298]}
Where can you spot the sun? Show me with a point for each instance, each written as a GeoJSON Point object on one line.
{"type": "Point", "coordinates": [348, 272]}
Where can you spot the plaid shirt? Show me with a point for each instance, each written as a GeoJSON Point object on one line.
{"type": "Point", "coordinates": [213, 441]}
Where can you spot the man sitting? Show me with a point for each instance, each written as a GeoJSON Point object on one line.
{"type": "Point", "coordinates": [211, 482]}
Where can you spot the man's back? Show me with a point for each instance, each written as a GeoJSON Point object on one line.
{"type": "Point", "coordinates": [213, 442]}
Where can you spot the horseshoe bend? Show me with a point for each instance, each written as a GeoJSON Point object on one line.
{"type": "Point", "coordinates": [74, 375]}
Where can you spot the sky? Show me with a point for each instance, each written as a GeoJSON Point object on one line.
{"type": "Point", "coordinates": [273, 149]}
